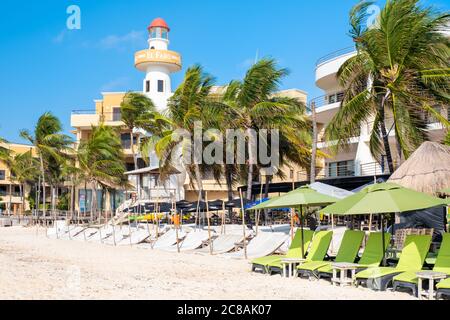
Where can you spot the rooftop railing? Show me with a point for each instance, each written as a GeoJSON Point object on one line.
{"type": "Point", "coordinates": [334, 55]}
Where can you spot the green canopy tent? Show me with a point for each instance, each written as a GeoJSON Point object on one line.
{"type": "Point", "coordinates": [299, 198]}
{"type": "Point", "coordinates": [382, 199]}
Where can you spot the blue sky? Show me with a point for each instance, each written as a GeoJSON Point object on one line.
{"type": "Point", "coordinates": [46, 67]}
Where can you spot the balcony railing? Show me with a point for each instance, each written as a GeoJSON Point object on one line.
{"type": "Point", "coordinates": [326, 100]}
{"type": "Point", "coordinates": [334, 55]}
{"type": "Point", "coordinates": [107, 116]}
{"type": "Point", "coordinates": [81, 112]}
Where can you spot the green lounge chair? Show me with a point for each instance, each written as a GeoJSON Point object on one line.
{"type": "Point", "coordinates": [409, 279]}
{"type": "Point", "coordinates": [351, 242]}
{"type": "Point", "coordinates": [319, 247]}
{"type": "Point", "coordinates": [443, 288]}
{"type": "Point", "coordinates": [412, 258]}
{"type": "Point", "coordinates": [372, 256]}
{"type": "Point", "coordinates": [295, 251]}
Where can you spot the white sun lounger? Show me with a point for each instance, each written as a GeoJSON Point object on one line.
{"type": "Point", "coordinates": [264, 244]}
{"type": "Point", "coordinates": [86, 234]}
{"type": "Point", "coordinates": [137, 236]}
{"type": "Point", "coordinates": [168, 239]}
{"type": "Point", "coordinates": [71, 233]}
{"type": "Point", "coordinates": [223, 244]}
{"type": "Point", "coordinates": [192, 241]}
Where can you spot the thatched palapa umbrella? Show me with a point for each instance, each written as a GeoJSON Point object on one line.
{"type": "Point", "coordinates": [427, 170]}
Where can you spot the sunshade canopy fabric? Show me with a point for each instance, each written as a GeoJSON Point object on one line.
{"type": "Point", "coordinates": [304, 196]}
{"type": "Point", "coordinates": [383, 198]}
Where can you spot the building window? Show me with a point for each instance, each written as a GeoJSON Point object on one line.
{"type": "Point", "coordinates": [147, 86]}
{"type": "Point", "coordinates": [2, 175]}
{"type": "Point", "coordinates": [341, 169]}
{"type": "Point", "coordinates": [160, 86]}
{"type": "Point", "coordinates": [117, 114]}
{"type": "Point", "coordinates": [126, 140]}
{"type": "Point", "coordinates": [291, 175]}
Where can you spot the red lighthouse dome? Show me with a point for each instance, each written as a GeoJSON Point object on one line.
{"type": "Point", "coordinates": [159, 23]}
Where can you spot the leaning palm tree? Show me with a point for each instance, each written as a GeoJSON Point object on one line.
{"type": "Point", "coordinates": [50, 143]}
{"type": "Point", "coordinates": [401, 71]}
{"type": "Point", "coordinates": [100, 158]}
{"type": "Point", "coordinates": [188, 105]}
{"type": "Point", "coordinates": [137, 109]}
{"type": "Point", "coordinates": [258, 107]}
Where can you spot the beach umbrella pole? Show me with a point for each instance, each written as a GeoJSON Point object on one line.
{"type": "Point", "coordinates": [303, 236]}
{"type": "Point", "coordinates": [383, 241]}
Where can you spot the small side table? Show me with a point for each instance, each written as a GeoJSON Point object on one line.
{"type": "Point", "coordinates": [291, 263]}
{"type": "Point", "coordinates": [343, 269]}
{"type": "Point", "coordinates": [431, 276]}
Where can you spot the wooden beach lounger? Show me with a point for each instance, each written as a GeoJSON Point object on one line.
{"type": "Point", "coordinates": [412, 259]}
{"type": "Point", "coordinates": [409, 279]}
{"type": "Point", "coordinates": [264, 244]}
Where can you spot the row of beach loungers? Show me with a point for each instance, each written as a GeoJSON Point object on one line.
{"type": "Point", "coordinates": [271, 245]}
{"type": "Point", "coordinates": [369, 272]}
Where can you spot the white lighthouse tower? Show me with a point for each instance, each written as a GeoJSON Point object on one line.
{"type": "Point", "coordinates": [158, 63]}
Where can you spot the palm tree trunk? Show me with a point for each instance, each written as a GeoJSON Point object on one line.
{"type": "Point", "coordinates": [314, 144]}
{"type": "Point", "coordinates": [198, 178]}
{"type": "Point", "coordinates": [22, 198]}
{"type": "Point", "coordinates": [229, 178]}
{"type": "Point", "coordinates": [250, 170]}
{"type": "Point", "coordinates": [93, 201]}
{"type": "Point", "coordinates": [10, 199]}
{"type": "Point", "coordinates": [43, 184]}
{"type": "Point", "coordinates": [132, 150]}
{"type": "Point", "coordinates": [385, 134]}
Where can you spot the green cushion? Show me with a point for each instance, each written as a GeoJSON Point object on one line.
{"type": "Point", "coordinates": [295, 250]}
{"type": "Point", "coordinates": [443, 259]}
{"type": "Point", "coordinates": [350, 245]}
{"type": "Point", "coordinates": [412, 258]}
{"type": "Point", "coordinates": [377, 272]}
{"type": "Point", "coordinates": [319, 247]}
{"type": "Point", "coordinates": [444, 284]}
{"type": "Point", "coordinates": [313, 265]}
{"type": "Point", "coordinates": [373, 253]}
{"type": "Point", "coordinates": [264, 261]}
{"type": "Point", "coordinates": [409, 276]}
{"type": "Point", "coordinates": [347, 252]}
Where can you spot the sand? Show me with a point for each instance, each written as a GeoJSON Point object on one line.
{"type": "Point", "coordinates": [34, 267]}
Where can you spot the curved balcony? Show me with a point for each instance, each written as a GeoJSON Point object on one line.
{"type": "Point", "coordinates": [326, 106]}
{"type": "Point", "coordinates": [328, 66]}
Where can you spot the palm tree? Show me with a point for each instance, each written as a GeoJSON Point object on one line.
{"type": "Point", "coordinates": [188, 105]}
{"type": "Point", "coordinates": [137, 109]}
{"type": "Point", "coordinates": [24, 170]}
{"type": "Point", "coordinates": [50, 143]}
{"type": "Point", "coordinates": [401, 70]}
{"type": "Point", "coordinates": [100, 158]}
{"type": "Point", "coordinates": [259, 108]}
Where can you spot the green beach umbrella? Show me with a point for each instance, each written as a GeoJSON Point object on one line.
{"type": "Point", "coordinates": [304, 196]}
{"type": "Point", "coordinates": [299, 198]}
{"type": "Point", "coordinates": [381, 199]}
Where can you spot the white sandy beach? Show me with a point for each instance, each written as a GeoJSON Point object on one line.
{"type": "Point", "coordinates": [34, 267]}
